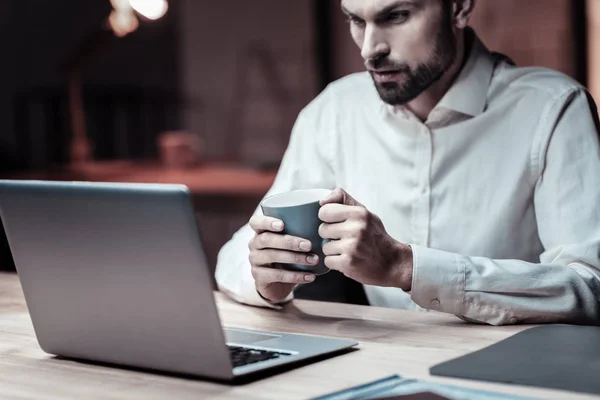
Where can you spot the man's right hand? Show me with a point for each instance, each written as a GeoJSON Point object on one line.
{"type": "Point", "coordinates": [269, 248]}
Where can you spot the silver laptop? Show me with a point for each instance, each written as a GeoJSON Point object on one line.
{"type": "Point", "coordinates": [115, 273]}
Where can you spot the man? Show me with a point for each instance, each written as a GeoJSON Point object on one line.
{"type": "Point", "coordinates": [486, 176]}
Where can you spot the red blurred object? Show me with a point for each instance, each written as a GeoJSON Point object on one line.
{"type": "Point", "coordinates": [180, 149]}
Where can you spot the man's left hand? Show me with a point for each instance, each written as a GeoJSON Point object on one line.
{"type": "Point", "coordinates": [359, 246]}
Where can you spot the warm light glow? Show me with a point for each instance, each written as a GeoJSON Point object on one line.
{"type": "Point", "coordinates": [122, 22]}
{"type": "Point", "coordinates": [151, 9]}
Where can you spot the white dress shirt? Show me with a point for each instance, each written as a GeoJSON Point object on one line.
{"type": "Point", "coordinates": [498, 192]}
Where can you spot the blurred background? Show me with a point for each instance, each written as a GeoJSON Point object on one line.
{"type": "Point", "coordinates": [205, 92]}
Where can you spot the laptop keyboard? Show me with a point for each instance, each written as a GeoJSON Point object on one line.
{"type": "Point", "coordinates": [244, 356]}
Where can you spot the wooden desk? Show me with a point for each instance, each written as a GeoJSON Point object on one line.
{"type": "Point", "coordinates": [391, 342]}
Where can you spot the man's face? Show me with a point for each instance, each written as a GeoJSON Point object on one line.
{"type": "Point", "coordinates": [407, 45]}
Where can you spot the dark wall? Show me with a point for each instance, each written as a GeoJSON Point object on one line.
{"type": "Point", "coordinates": [36, 36]}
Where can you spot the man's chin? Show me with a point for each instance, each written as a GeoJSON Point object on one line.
{"type": "Point", "coordinates": [394, 95]}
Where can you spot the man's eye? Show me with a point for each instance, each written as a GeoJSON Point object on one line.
{"type": "Point", "coordinates": [356, 21]}
{"type": "Point", "coordinates": [398, 16]}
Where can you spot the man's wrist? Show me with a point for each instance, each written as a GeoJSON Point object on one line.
{"type": "Point", "coordinates": [404, 267]}
{"type": "Point", "coordinates": [273, 302]}
{"type": "Point", "coordinates": [263, 297]}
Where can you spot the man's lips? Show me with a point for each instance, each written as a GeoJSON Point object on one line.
{"type": "Point", "coordinates": [385, 75]}
{"type": "Point", "coordinates": [384, 71]}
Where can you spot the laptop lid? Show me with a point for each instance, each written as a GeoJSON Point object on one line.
{"type": "Point", "coordinates": [115, 273]}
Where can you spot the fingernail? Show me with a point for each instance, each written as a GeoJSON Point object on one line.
{"type": "Point", "coordinates": [305, 246]}
{"type": "Point", "coordinates": [312, 259]}
{"type": "Point", "coordinates": [309, 278]}
{"type": "Point", "coordinates": [277, 225]}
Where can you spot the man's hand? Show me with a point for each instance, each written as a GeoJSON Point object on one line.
{"type": "Point", "coordinates": [268, 249]}
{"type": "Point", "coordinates": [359, 246]}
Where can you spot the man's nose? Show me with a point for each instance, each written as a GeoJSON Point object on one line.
{"type": "Point", "coordinates": [374, 45]}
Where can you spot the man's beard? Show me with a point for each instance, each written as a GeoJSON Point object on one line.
{"type": "Point", "coordinates": [419, 80]}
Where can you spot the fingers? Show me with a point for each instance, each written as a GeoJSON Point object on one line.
{"type": "Point", "coordinates": [272, 256]}
{"type": "Point", "coordinates": [261, 223]}
{"type": "Point", "coordinates": [337, 196]}
{"type": "Point", "coordinates": [332, 213]}
{"type": "Point", "coordinates": [340, 196]}
{"type": "Point", "coordinates": [333, 248]}
{"type": "Point", "coordinates": [337, 262]}
{"type": "Point", "coordinates": [269, 240]}
{"type": "Point", "coordinates": [266, 276]}
{"type": "Point", "coordinates": [333, 231]}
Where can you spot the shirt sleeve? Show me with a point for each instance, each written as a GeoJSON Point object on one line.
{"type": "Point", "coordinates": [565, 285]}
{"type": "Point", "coordinates": [306, 164]}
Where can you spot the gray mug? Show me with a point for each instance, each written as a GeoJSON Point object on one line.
{"type": "Point", "coordinates": [299, 211]}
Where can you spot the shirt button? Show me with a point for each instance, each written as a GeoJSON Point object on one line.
{"type": "Point", "coordinates": [435, 303]}
{"type": "Point", "coordinates": [513, 320]}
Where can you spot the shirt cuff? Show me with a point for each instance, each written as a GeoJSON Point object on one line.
{"type": "Point", "coordinates": [438, 281]}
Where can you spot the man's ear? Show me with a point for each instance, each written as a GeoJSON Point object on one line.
{"type": "Point", "coordinates": [462, 11]}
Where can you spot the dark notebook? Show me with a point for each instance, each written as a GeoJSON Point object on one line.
{"type": "Point", "coordinates": [554, 356]}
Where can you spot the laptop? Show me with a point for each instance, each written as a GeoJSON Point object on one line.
{"type": "Point", "coordinates": [115, 274]}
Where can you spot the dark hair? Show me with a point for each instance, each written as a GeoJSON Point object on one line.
{"type": "Point", "coordinates": [447, 7]}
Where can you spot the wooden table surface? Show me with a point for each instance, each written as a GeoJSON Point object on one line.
{"type": "Point", "coordinates": [391, 342]}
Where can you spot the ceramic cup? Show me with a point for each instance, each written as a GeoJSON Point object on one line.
{"type": "Point", "coordinates": [299, 211]}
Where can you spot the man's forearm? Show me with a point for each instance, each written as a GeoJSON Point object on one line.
{"type": "Point", "coordinates": [505, 291]}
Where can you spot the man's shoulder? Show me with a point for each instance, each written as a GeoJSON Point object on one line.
{"type": "Point", "coordinates": [544, 83]}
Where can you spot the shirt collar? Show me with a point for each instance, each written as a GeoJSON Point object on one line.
{"type": "Point", "coordinates": [468, 94]}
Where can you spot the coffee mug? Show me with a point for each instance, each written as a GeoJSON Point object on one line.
{"type": "Point", "coordinates": [299, 211]}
